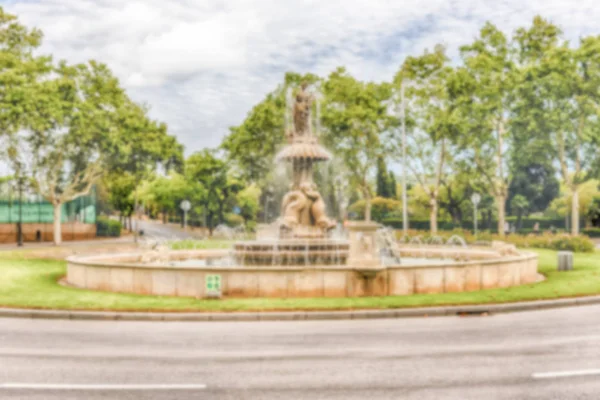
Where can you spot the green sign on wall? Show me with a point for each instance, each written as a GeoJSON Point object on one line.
{"type": "Point", "coordinates": [213, 285]}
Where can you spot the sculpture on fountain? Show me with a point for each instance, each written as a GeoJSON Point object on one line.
{"type": "Point", "coordinates": [303, 209]}
{"type": "Point", "coordinates": [305, 231]}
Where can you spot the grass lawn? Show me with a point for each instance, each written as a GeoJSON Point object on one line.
{"type": "Point", "coordinates": [32, 283]}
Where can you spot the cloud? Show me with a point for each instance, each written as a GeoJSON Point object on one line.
{"type": "Point", "coordinates": [201, 65]}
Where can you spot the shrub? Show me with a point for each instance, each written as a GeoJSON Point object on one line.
{"type": "Point", "coordinates": [592, 232]}
{"type": "Point", "coordinates": [106, 227]}
{"type": "Point", "coordinates": [579, 244]}
{"type": "Point", "coordinates": [380, 208]}
{"type": "Point", "coordinates": [234, 220]}
{"type": "Point", "coordinates": [527, 224]}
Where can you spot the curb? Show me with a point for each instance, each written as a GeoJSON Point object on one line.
{"type": "Point", "coordinates": [300, 315]}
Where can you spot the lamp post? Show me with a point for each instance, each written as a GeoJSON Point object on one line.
{"type": "Point", "coordinates": [185, 207]}
{"type": "Point", "coordinates": [475, 199]}
{"type": "Point", "coordinates": [20, 224]}
{"type": "Point", "coordinates": [19, 171]}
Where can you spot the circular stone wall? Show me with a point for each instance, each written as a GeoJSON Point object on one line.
{"type": "Point", "coordinates": [472, 269]}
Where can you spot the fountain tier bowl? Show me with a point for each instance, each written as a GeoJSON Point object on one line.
{"type": "Point", "coordinates": [292, 252]}
{"type": "Point", "coordinates": [437, 270]}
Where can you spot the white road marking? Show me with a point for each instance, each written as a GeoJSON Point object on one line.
{"type": "Point", "coordinates": [565, 374]}
{"type": "Point", "coordinates": [69, 386]}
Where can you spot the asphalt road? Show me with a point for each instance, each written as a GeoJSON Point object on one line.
{"type": "Point", "coordinates": [157, 230]}
{"type": "Point", "coordinates": [486, 357]}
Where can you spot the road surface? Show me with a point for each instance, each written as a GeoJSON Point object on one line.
{"type": "Point", "coordinates": [553, 354]}
{"type": "Point", "coordinates": [158, 230]}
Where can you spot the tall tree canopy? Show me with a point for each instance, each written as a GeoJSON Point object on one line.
{"type": "Point", "coordinates": [357, 126]}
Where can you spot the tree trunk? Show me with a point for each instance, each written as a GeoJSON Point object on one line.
{"type": "Point", "coordinates": [164, 216]}
{"type": "Point", "coordinates": [500, 200]}
{"type": "Point", "coordinates": [433, 214]}
{"type": "Point", "coordinates": [575, 211]}
{"type": "Point", "coordinates": [367, 207]}
{"type": "Point", "coordinates": [57, 223]}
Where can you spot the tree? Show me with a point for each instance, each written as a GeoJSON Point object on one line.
{"type": "Point", "coordinates": [65, 131]}
{"type": "Point", "coordinates": [457, 188]}
{"type": "Point", "coordinates": [253, 144]}
{"type": "Point", "coordinates": [432, 109]}
{"type": "Point", "coordinates": [392, 185]}
{"type": "Point", "coordinates": [248, 202]}
{"type": "Point", "coordinates": [593, 213]}
{"type": "Point", "coordinates": [220, 186]}
{"type": "Point", "coordinates": [519, 205]}
{"type": "Point", "coordinates": [536, 182]}
{"type": "Point", "coordinates": [382, 179]}
{"type": "Point", "coordinates": [573, 83]}
{"type": "Point", "coordinates": [357, 125]}
{"type": "Point", "coordinates": [164, 193]}
{"type": "Point", "coordinates": [488, 85]}
{"type": "Point", "coordinates": [122, 185]}
{"type": "Point", "coordinates": [134, 153]}
{"type": "Point", "coordinates": [19, 69]}
{"type": "Point", "coordinates": [558, 103]}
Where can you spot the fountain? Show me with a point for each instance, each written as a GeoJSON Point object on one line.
{"type": "Point", "coordinates": [304, 228]}
{"type": "Point", "coordinates": [305, 253]}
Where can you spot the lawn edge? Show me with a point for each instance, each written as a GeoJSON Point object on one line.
{"type": "Point", "coordinates": [466, 310]}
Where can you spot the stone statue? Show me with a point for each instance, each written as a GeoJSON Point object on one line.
{"type": "Point", "coordinates": [303, 209]}
{"type": "Point", "coordinates": [305, 206]}
{"type": "Point", "coordinates": [302, 111]}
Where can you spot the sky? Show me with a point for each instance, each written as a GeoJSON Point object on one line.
{"type": "Point", "coordinates": [202, 64]}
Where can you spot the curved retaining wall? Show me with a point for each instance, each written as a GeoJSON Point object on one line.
{"type": "Point", "coordinates": [120, 273]}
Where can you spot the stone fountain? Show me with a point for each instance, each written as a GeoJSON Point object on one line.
{"type": "Point", "coordinates": [304, 227]}
{"type": "Point", "coordinates": [304, 258]}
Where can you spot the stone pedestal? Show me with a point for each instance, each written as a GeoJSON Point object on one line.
{"type": "Point", "coordinates": [364, 253]}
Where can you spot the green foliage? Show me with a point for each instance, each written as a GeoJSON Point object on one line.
{"type": "Point", "coordinates": [219, 186]}
{"type": "Point", "coordinates": [593, 213]}
{"type": "Point", "coordinates": [163, 194]}
{"type": "Point", "coordinates": [592, 232]}
{"type": "Point", "coordinates": [252, 145]}
{"type": "Point", "coordinates": [535, 181]}
{"type": "Point", "coordinates": [580, 244]}
{"type": "Point", "coordinates": [357, 126]}
{"type": "Point", "coordinates": [527, 224]}
{"type": "Point", "coordinates": [380, 208]}
{"type": "Point", "coordinates": [248, 201]}
{"type": "Point", "coordinates": [232, 219]}
{"type": "Point", "coordinates": [106, 227]}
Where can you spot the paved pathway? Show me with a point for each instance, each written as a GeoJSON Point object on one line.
{"type": "Point", "coordinates": [552, 354]}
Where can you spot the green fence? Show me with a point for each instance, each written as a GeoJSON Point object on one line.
{"type": "Point", "coordinates": [34, 209]}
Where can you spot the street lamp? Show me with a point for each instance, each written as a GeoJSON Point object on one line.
{"type": "Point", "coordinates": [185, 207]}
{"type": "Point", "coordinates": [20, 224]}
{"type": "Point", "coordinates": [475, 199]}
{"type": "Point", "coordinates": [20, 187]}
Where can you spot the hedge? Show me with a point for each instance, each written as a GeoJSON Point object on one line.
{"type": "Point", "coordinates": [106, 227]}
{"type": "Point", "coordinates": [591, 232]}
{"type": "Point", "coordinates": [542, 241]}
{"type": "Point", "coordinates": [527, 224]}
